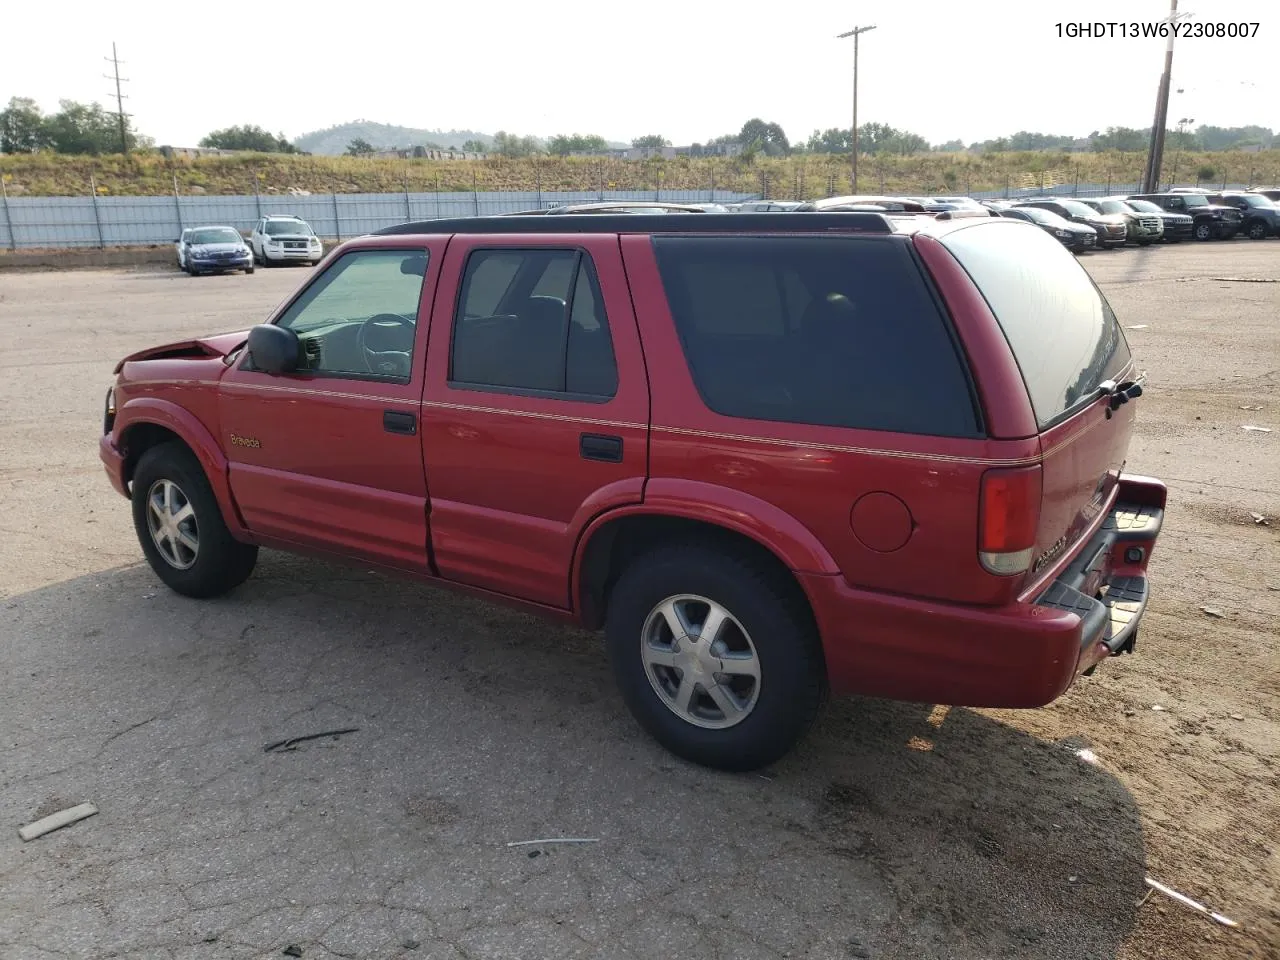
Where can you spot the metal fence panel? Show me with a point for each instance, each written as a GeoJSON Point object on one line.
{"type": "Point", "coordinates": [35, 222]}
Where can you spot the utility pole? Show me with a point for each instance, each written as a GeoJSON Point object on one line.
{"type": "Point", "coordinates": [1155, 152]}
{"type": "Point", "coordinates": [120, 98]}
{"type": "Point", "coordinates": [855, 33]}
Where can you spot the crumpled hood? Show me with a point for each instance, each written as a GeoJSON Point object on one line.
{"type": "Point", "coordinates": [218, 345]}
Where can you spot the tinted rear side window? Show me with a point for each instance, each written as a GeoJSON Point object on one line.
{"type": "Point", "coordinates": [1059, 325]}
{"type": "Point", "coordinates": [831, 331]}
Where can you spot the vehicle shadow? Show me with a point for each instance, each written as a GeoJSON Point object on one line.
{"type": "Point", "coordinates": [894, 831]}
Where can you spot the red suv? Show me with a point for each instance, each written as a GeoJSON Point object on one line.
{"type": "Point", "coordinates": [771, 455]}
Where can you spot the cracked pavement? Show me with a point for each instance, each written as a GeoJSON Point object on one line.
{"type": "Point", "coordinates": [894, 831]}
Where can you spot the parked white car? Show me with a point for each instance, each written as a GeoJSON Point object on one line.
{"type": "Point", "coordinates": [284, 239]}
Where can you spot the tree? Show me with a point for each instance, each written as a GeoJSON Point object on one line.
{"type": "Point", "coordinates": [563, 145]}
{"type": "Point", "coordinates": [767, 138]}
{"type": "Point", "coordinates": [359, 148]}
{"type": "Point", "coordinates": [1205, 173]}
{"type": "Point", "coordinates": [248, 137]}
{"type": "Point", "coordinates": [510, 145]}
{"type": "Point", "coordinates": [876, 138]}
{"type": "Point", "coordinates": [650, 143]}
{"type": "Point", "coordinates": [22, 127]}
{"type": "Point", "coordinates": [1125, 139]}
{"type": "Point", "coordinates": [79, 128]}
{"type": "Point", "coordinates": [831, 140]}
{"type": "Point", "coordinates": [474, 146]}
{"type": "Point", "coordinates": [951, 146]}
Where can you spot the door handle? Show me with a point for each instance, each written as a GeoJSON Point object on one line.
{"type": "Point", "coordinates": [599, 446]}
{"type": "Point", "coordinates": [396, 421]}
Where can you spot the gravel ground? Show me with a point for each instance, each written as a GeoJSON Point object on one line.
{"type": "Point", "coordinates": [895, 831]}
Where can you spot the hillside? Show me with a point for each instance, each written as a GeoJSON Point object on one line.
{"type": "Point", "coordinates": [150, 174]}
{"type": "Point", "coordinates": [384, 136]}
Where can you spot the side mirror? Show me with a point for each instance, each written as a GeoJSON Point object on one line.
{"type": "Point", "coordinates": [273, 349]}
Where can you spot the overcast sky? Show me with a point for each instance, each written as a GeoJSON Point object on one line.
{"type": "Point", "coordinates": [687, 70]}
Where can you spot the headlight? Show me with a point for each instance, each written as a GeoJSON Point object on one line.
{"type": "Point", "coordinates": [1062, 233]}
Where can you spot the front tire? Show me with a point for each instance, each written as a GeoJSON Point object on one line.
{"type": "Point", "coordinates": [180, 527]}
{"type": "Point", "coordinates": [742, 697]}
{"type": "Point", "coordinates": [1204, 231]}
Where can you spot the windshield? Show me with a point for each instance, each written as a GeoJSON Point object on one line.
{"type": "Point", "coordinates": [1047, 217]}
{"type": "Point", "coordinates": [1144, 206]}
{"type": "Point", "coordinates": [215, 235]}
{"type": "Point", "coordinates": [276, 228]}
{"type": "Point", "coordinates": [1194, 200]}
{"type": "Point", "coordinates": [1112, 206]}
{"type": "Point", "coordinates": [1078, 209]}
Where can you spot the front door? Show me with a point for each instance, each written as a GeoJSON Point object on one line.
{"type": "Point", "coordinates": [536, 411]}
{"type": "Point", "coordinates": [329, 456]}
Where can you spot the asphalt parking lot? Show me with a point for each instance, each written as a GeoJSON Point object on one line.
{"type": "Point", "coordinates": [895, 831]}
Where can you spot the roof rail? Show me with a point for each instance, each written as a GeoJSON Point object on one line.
{"type": "Point", "coordinates": [662, 223]}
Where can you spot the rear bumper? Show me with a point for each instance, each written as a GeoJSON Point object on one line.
{"type": "Point", "coordinates": [1025, 654]}
{"type": "Point", "coordinates": [113, 461]}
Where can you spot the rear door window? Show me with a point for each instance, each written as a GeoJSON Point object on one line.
{"type": "Point", "coordinates": [1060, 327]}
{"type": "Point", "coordinates": [830, 331]}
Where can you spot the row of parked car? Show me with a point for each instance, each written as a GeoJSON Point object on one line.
{"type": "Point", "coordinates": [275, 238]}
{"type": "Point", "coordinates": [1081, 224]}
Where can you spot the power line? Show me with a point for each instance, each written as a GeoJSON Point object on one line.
{"type": "Point", "coordinates": [120, 97]}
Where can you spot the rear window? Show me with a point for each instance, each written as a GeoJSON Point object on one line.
{"type": "Point", "coordinates": [1059, 325]}
{"type": "Point", "coordinates": [831, 331]}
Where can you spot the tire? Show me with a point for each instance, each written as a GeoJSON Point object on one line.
{"type": "Point", "coordinates": [248, 270]}
{"type": "Point", "coordinates": [219, 562]}
{"type": "Point", "coordinates": [1257, 230]}
{"type": "Point", "coordinates": [767, 625]}
{"type": "Point", "coordinates": [1203, 231]}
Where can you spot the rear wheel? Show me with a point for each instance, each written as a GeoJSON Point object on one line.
{"type": "Point", "coordinates": [1257, 230]}
{"type": "Point", "coordinates": [716, 657]}
{"type": "Point", "coordinates": [180, 527]}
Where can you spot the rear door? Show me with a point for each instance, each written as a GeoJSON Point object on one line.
{"type": "Point", "coordinates": [536, 410]}
{"type": "Point", "coordinates": [1067, 343]}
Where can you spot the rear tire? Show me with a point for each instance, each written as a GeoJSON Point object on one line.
{"type": "Point", "coordinates": [728, 719]}
{"type": "Point", "coordinates": [1257, 230]}
{"type": "Point", "coordinates": [180, 527]}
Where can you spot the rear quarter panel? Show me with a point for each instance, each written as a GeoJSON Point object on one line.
{"type": "Point", "coordinates": [816, 474]}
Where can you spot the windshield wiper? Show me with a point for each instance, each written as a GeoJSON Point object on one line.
{"type": "Point", "coordinates": [1120, 393]}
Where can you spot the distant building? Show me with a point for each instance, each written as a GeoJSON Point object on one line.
{"type": "Point", "coordinates": [189, 152]}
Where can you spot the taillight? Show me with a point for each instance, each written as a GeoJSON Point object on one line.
{"type": "Point", "coordinates": [1008, 518]}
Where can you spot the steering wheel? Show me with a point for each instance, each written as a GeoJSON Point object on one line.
{"type": "Point", "coordinates": [378, 359]}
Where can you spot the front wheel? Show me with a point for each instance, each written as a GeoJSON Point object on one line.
{"type": "Point", "coordinates": [1204, 231]}
{"type": "Point", "coordinates": [248, 269]}
{"type": "Point", "coordinates": [180, 527]}
{"type": "Point", "coordinates": [716, 656]}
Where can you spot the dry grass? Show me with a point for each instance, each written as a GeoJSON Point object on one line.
{"type": "Point", "coordinates": [151, 174]}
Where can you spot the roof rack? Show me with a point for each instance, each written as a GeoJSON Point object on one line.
{"type": "Point", "coordinates": [652, 223]}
